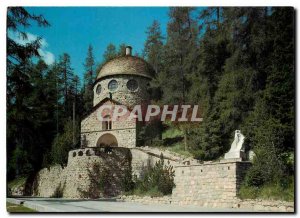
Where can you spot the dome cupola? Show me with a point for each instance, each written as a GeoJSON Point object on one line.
{"type": "Point", "coordinates": [126, 65]}
{"type": "Point", "coordinates": [124, 79]}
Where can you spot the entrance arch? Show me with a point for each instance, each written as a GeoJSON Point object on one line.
{"type": "Point", "coordinates": [107, 140]}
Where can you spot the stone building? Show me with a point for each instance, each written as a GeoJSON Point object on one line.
{"type": "Point", "coordinates": [110, 148]}
{"type": "Point", "coordinates": [121, 81]}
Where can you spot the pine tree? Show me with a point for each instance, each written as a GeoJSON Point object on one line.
{"type": "Point", "coordinates": [270, 126]}
{"type": "Point", "coordinates": [153, 48]}
{"type": "Point", "coordinates": [20, 131]}
{"type": "Point", "coordinates": [89, 78]}
{"type": "Point", "coordinates": [110, 53]}
{"type": "Point", "coordinates": [180, 55]}
{"type": "Point", "coordinates": [66, 76]}
{"type": "Point", "coordinates": [121, 50]}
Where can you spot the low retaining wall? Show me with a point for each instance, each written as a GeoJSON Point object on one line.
{"type": "Point", "coordinates": [142, 159]}
{"type": "Point", "coordinates": [256, 205]}
{"type": "Point", "coordinates": [76, 179]}
{"type": "Point", "coordinates": [213, 185]}
{"type": "Point", "coordinates": [210, 181]}
{"type": "Point", "coordinates": [267, 205]}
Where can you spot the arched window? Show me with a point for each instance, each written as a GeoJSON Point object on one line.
{"type": "Point", "coordinates": [98, 89]}
{"type": "Point", "coordinates": [107, 124]}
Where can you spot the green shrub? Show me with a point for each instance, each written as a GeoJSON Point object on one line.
{"type": "Point", "coordinates": [157, 180]}
{"type": "Point", "coordinates": [172, 132]}
{"type": "Point", "coordinates": [267, 178]}
{"type": "Point", "coordinates": [150, 134]}
{"type": "Point", "coordinates": [267, 167]}
{"type": "Point", "coordinates": [18, 182]}
{"type": "Point", "coordinates": [179, 149]}
{"type": "Point", "coordinates": [127, 181]}
{"type": "Point", "coordinates": [152, 192]}
{"type": "Point", "coordinates": [100, 180]}
{"type": "Point", "coordinates": [62, 144]}
{"type": "Point", "coordinates": [280, 190]}
{"type": "Point", "coordinates": [248, 192]}
{"type": "Point", "coordinates": [255, 177]}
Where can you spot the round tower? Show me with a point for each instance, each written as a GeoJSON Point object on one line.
{"type": "Point", "coordinates": [124, 79]}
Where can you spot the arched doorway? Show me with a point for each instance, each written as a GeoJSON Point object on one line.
{"type": "Point", "coordinates": [107, 140]}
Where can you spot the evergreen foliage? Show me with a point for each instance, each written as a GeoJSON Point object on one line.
{"type": "Point", "coordinates": [157, 180]}
{"type": "Point", "coordinates": [89, 78]}
{"type": "Point", "coordinates": [237, 64]}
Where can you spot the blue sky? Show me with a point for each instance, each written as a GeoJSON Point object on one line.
{"type": "Point", "coordinates": [74, 28]}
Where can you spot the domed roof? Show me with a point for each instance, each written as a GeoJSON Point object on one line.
{"type": "Point", "coordinates": [126, 65]}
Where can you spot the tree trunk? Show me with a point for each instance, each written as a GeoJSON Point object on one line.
{"type": "Point", "coordinates": [185, 139]}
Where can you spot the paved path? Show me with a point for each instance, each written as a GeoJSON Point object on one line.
{"type": "Point", "coordinates": [107, 205]}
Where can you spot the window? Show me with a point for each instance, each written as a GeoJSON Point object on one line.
{"type": "Point", "coordinates": [98, 89]}
{"type": "Point", "coordinates": [132, 85]}
{"type": "Point", "coordinates": [113, 85]}
{"type": "Point", "coordinates": [106, 125]}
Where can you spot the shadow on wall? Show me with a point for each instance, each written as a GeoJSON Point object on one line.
{"type": "Point", "coordinates": [59, 191]}
{"type": "Point", "coordinates": [111, 177]}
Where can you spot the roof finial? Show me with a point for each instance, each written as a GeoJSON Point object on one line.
{"type": "Point", "coordinates": [128, 50]}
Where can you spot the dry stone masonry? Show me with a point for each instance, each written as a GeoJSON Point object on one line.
{"type": "Point", "coordinates": [198, 184]}
{"type": "Point", "coordinates": [121, 81]}
{"type": "Point", "coordinates": [74, 180]}
{"type": "Point", "coordinates": [109, 150]}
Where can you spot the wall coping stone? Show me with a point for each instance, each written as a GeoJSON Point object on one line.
{"type": "Point", "coordinates": [214, 163]}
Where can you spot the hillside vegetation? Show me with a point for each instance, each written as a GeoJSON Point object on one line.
{"type": "Point", "coordinates": [237, 64]}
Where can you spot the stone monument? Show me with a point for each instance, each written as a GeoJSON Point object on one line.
{"type": "Point", "coordinates": [237, 150]}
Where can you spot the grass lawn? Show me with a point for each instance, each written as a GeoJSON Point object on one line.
{"type": "Point", "coordinates": [16, 208]}
{"type": "Point", "coordinates": [173, 138]}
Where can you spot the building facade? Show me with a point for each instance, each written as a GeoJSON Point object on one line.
{"type": "Point", "coordinates": [121, 81]}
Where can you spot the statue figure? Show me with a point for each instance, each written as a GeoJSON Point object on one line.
{"type": "Point", "coordinates": [237, 150]}
{"type": "Point", "coordinates": [238, 141]}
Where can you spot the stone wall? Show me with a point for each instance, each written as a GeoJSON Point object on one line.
{"type": "Point", "coordinates": [49, 180]}
{"type": "Point", "coordinates": [125, 137]}
{"type": "Point", "coordinates": [143, 158]}
{"type": "Point", "coordinates": [124, 130]}
{"type": "Point", "coordinates": [257, 205]}
{"type": "Point", "coordinates": [213, 185]}
{"type": "Point", "coordinates": [122, 94]}
{"type": "Point", "coordinates": [75, 179]}
{"type": "Point", "coordinates": [200, 184]}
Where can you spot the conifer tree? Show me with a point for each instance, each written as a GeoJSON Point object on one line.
{"type": "Point", "coordinates": [153, 48]}
{"type": "Point", "coordinates": [180, 55]}
{"type": "Point", "coordinates": [66, 76]}
{"type": "Point", "coordinates": [89, 78]}
{"type": "Point", "coordinates": [110, 52]}
{"type": "Point", "coordinates": [20, 129]}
